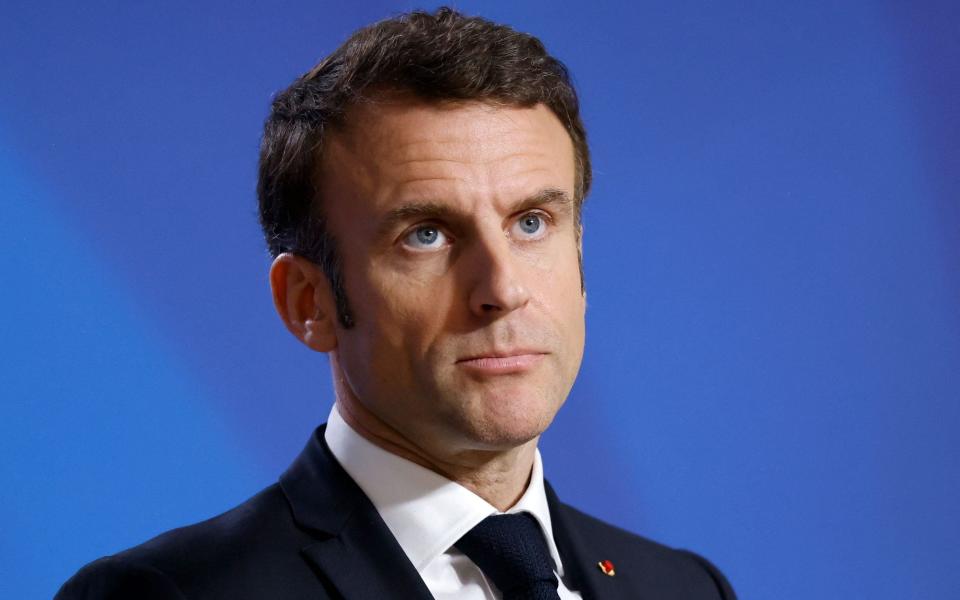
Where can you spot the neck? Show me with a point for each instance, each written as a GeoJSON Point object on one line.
{"type": "Point", "coordinates": [498, 476]}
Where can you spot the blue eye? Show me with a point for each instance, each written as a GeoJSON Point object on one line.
{"type": "Point", "coordinates": [425, 238]}
{"type": "Point", "coordinates": [531, 225]}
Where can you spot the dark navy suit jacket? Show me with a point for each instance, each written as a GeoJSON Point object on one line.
{"type": "Point", "coordinates": [316, 535]}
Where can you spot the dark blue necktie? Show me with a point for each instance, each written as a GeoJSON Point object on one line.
{"type": "Point", "coordinates": [511, 551]}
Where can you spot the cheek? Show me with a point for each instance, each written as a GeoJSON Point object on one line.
{"type": "Point", "coordinates": [562, 295]}
{"type": "Point", "coordinates": [563, 283]}
{"type": "Point", "coordinates": [407, 313]}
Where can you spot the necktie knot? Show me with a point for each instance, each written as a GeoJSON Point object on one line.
{"type": "Point", "coordinates": [512, 552]}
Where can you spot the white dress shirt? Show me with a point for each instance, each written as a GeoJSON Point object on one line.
{"type": "Point", "coordinates": [427, 513]}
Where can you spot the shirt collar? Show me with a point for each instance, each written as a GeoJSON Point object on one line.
{"type": "Point", "coordinates": [426, 512]}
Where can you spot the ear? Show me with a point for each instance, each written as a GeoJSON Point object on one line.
{"type": "Point", "coordinates": [304, 301]}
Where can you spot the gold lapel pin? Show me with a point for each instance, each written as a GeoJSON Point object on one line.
{"type": "Point", "coordinates": [607, 567]}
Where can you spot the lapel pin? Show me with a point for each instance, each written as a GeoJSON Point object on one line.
{"type": "Point", "coordinates": [607, 567]}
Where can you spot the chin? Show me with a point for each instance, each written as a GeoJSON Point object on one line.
{"type": "Point", "coordinates": [505, 425]}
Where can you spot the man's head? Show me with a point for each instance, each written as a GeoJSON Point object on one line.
{"type": "Point", "coordinates": [437, 57]}
{"type": "Point", "coordinates": [420, 189]}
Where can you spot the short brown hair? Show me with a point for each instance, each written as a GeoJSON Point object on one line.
{"type": "Point", "coordinates": [435, 56]}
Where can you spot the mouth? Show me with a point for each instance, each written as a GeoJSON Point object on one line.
{"type": "Point", "coordinates": [501, 363]}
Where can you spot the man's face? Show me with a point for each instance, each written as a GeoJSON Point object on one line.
{"type": "Point", "coordinates": [457, 230]}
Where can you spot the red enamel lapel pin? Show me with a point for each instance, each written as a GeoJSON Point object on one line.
{"type": "Point", "coordinates": [607, 567]}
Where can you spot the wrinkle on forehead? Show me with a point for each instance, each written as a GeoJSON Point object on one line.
{"type": "Point", "coordinates": [413, 161]}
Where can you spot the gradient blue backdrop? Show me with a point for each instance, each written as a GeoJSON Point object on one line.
{"type": "Point", "coordinates": [772, 249]}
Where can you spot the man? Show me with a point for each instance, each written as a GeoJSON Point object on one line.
{"type": "Point", "coordinates": [420, 190]}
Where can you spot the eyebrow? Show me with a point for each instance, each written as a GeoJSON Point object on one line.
{"type": "Point", "coordinates": [547, 196]}
{"type": "Point", "coordinates": [436, 210]}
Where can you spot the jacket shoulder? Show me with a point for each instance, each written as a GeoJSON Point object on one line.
{"type": "Point", "coordinates": [643, 564]}
{"type": "Point", "coordinates": [116, 578]}
{"type": "Point", "coordinates": [237, 554]}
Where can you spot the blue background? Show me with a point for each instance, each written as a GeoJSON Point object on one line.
{"type": "Point", "coordinates": [772, 374]}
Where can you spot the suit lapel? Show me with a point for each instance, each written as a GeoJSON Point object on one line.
{"type": "Point", "coordinates": [581, 555]}
{"type": "Point", "coordinates": [355, 551]}
{"type": "Point", "coordinates": [363, 563]}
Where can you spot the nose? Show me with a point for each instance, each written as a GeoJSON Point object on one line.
{"type": "Point", "coordinates": [497, 279]}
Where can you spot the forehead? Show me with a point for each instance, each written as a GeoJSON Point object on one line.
{"type": "Point", "coordinates": [397, 146]}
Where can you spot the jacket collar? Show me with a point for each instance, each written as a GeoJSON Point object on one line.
{"type": "Point", "coordinates": [581, 555]}
{"type": "Point", "coordinates": [354, 551]}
